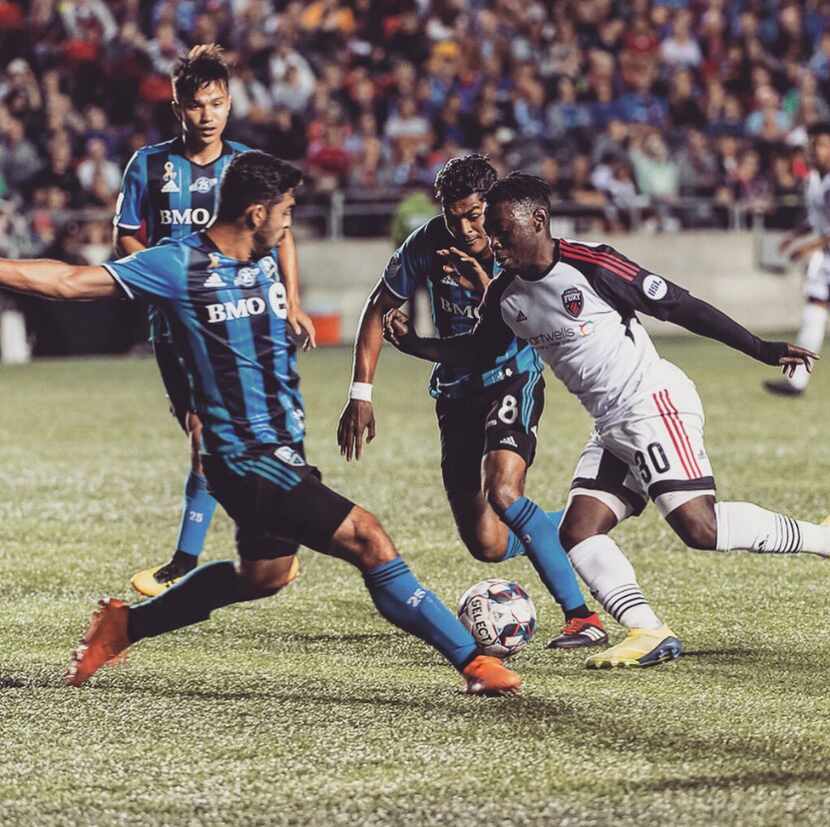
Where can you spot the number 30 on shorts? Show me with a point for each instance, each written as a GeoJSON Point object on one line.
{"type": "Point", "coordinates": [509, 410]}
{"type": "Point", "coordinates": [659, 461]}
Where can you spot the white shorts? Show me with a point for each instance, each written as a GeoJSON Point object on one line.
{"type": "Point", "coordinates": [656, 452]}
{"type": "Point", "coordinates": [817, 283]}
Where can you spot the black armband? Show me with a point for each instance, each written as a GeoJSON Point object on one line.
{"type": "Point", "coordinates": [700, 317]}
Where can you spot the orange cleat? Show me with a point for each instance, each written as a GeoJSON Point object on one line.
{"type": "Point", "coordinates": [104, 642]}
{"type": "Point", "coordinates": [489, 676]}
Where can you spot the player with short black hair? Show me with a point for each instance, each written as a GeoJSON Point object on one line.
{"type": "Point", "coordinates": [220, 292]}
{"type": "Point", "coordinates": [488, 413]}
{"type": "Point", "coordinates": [168, 190]}
{"type": "Point", "coordinates": [816, 252]}
{"type": "Point", "coordinates": [577, 305]}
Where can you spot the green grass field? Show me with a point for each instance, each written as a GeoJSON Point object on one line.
{"type": "Point", "coordinates": [309, 709]}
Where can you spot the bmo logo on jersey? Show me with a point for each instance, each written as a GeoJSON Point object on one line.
{"type": "Point", "coordinates": [249, 306]}
{"type": "Point", "coordinates": [468, 310]}
{"type": "Point", "coordinates": [197, 216]}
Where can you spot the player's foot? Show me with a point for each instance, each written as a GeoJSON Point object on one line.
{"type": "Point", "coordinates": [781, 387]}
{"type": "Point", "coordinates": [103, 642]}
{"type": "Point", "coordinates": [151, 582]}
{"type": "Point", "coordinates": [641, 647]}
{"type": "Point", "coordinates": [486, 675]}
{"type": "Point", "coordinates": [579, 632]}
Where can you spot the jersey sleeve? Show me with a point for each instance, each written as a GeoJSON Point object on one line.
{"type": "Point", "coordinates": [157, 273]}
{"type": "Point", "coordinates": [625, 285]}
{"type": "Point", "coordinates": [128, 208]}
{"type": "Point", "coordinates": [409, 265]}
{"type": "Point", "coordinates": [491, 329]}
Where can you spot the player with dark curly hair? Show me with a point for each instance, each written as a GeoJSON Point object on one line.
{"type": "Point", "coordinates": [488, 415]}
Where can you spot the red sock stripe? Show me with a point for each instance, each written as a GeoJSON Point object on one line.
{"type": "Point", "coordinates": [669, 425]}
{"type": "Point", "coordinates": [611, 262]}
{"type": "Point", "coordinates": [691, 452]}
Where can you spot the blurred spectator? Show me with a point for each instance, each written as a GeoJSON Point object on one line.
{"type": "Point", "coordinates": [681, 50]}
{"type": "Point", "coordinates": [98, 176]}
{"type": "Point", "coordinates": [19, 158]}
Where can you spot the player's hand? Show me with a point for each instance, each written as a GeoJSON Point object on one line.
{"type": "Point", "coordinates": [302, 327]}
{"type": "Point", "coordinates": [796, 356]}
{"type": "Point", "coordinates": [396, 328]}
{"type": "Point", "coordinates": [358, 416]}
{"type": "Point", "coordinates": [465, 269]}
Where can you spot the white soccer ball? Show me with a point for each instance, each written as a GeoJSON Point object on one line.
{"type": "Point", "coordinates": [500, 616]}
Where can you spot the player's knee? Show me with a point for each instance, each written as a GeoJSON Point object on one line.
{"type": "Point", "coordinates": [264, 581]}
{"type": "Point", "coordinates": [575, 528]}
{"type": "Point", "coordinates": [699, 532]}
{"type": "Point", "coordinates": [486, 552]}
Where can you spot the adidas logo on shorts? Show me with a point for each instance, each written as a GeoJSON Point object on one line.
{"type": "Point", "coordinates": [509, 440]}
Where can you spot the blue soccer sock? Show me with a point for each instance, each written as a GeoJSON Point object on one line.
{"type": "Point", "coordinates": [404, 602]}
{"type": "Point", "coordinates": [539, 534]}
{"type": "Point", "coordinates": [190, 601]}
{"type": "Point", "coordinates": [197, 513]}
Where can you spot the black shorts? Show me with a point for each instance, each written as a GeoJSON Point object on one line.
{"type": "Point", "coordinates": [276, 500]}
{"type": "Point", "coordinates": [174, 378]}
{"type": "Point", "coordinates": [503, 417]}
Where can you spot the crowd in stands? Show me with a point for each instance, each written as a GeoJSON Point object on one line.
{"type": "Point", "coordinates": [643, 102]}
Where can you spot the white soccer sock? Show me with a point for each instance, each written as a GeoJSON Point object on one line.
{"type": "Point", "coordinates": [811, 336]}
{"type": "Point", "coordinates": [752, 528]}
{"type": "Point", "coordinates": [611, 579]}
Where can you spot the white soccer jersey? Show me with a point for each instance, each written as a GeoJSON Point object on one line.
{"type": "Point", "coordinates": [581, 319]}
{"type": "Point", "coordinates": [818, 202]}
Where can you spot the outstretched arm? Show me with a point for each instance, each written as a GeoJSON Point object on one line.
{"type": "Point", "coordinates": [52, 279]}
{"type": "Point", "coordinates": [467, 350]}
{"type": "Point", "coordinates": [358, 416]}
{"type": "Point", "coordinates": [702, 318]}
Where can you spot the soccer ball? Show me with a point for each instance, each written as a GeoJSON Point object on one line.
{"type": "Point", "coordinates": [500, 616]}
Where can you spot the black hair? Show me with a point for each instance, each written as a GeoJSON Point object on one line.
{"type": "Point", "coordinates": [464, 176]}
{"type": "Point", "coordinates": [818, 128]}
{"type": "Point", "coordinates": [199, 67]}
{"type": "Point", "coordinates": [254, 178]}
{"type": "Point", "coordinates": [520, 188]}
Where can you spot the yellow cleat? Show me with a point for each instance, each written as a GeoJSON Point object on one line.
{"type": "Point", "coordinates": [152, 582]}
{"type": "Point", "coordinates": [641, 647]}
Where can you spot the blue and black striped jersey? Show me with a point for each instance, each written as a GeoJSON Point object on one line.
{"type": "Point", "coordinates": [454, 310]}
{"type": "Point", "coordinates": [168, 196]}
{"type": "Point", "coordinates": [228, 322]}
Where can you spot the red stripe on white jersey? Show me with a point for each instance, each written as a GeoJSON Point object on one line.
{"type": "Point", "coordinates": [691, 453]}
{"type": "Point", "coordinates": [617, 266]}
{"type": "Point", "coordinates": [670, 426]}
{"type": "Point", "coordinates": [612, 259]}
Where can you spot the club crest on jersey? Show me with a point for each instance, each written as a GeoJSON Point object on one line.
{"type": "Point", "coordinates": [246, 277]}
{"type": "Point", "coordinates": [573, 300]}
{"type": "Point", "coordinates": [203, 184]}
{"type": "Point", "coordinates": [269, 266]}
{"type": "Point", "coordinates": [289, 456]}
{"type": "Point", "coordinates": [169, 179]}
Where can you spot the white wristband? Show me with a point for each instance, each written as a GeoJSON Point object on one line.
{"type": "Point", "coordinates": [361, 391]}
